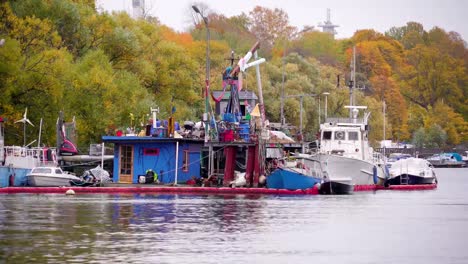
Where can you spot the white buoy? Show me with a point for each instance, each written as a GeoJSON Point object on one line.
{"type": "Point", "coordinates": [70, 192]}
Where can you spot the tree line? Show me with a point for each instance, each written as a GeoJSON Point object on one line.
{"type": "Point", "coordinates": [108, 69]}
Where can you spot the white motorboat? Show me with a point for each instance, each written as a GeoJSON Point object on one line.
{"type": "Point", "coordinates": [50, 176]}
{"type": "Point", "coordinates": [411, 171]}
{"type": "Point", "coordinates": [446, 160]}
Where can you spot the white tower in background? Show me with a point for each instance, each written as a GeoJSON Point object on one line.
{"type": "Point", "coordinates": [138, 7]}
{"type": "Point", "coordinates": [328, 26]}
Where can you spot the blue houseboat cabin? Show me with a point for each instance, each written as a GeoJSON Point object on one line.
{"type": "Point", "coordinates": [133, 156]}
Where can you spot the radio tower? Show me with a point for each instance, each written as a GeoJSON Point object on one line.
{"type": "Point", "coordinates": [328, 26]}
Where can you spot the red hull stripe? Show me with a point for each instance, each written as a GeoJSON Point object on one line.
{"type": "Point", "coordinates": [202, 190]}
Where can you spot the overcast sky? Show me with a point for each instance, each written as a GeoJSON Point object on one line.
{"type": "Point", "coordinates": [350, 15]}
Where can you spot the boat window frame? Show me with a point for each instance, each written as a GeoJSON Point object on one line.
{"type": "Point", "coordinates": [185, 161]}
{"type": "Point", "coordinates": [356, 138]}
{"type": "Point", "coordinates": [327, 135]}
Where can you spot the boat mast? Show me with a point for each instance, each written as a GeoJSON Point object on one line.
{"type": "Point", "coordinates": [352, 82]}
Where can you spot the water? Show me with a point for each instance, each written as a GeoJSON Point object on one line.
{"type": "Point", "coordinates": [383, 227]}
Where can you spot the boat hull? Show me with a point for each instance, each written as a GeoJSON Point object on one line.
{"type": "Point", "coordinates": [336, 187]}
{"type": "Point", "coordinates": [283, 178]}
{"type": "Point", "coordinates": [412, 180]}
{"type": "Point", "coordinates": [361, 172]}
{"type": "Point", "coordinates": [13, 176]}
{"type": "Point", "coordinates": [447, 164]}
{"type": "Point", "coordinates": [50, 181]}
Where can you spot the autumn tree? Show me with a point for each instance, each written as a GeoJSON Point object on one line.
{"type": "Point", "coordinates": [409, 36]}
{"type": "Point", "coordinates": [270, 25]}
{"type": "Point", "coordinates": [319, 45]}
{"type": "Point", "coordinates": [432, 75]}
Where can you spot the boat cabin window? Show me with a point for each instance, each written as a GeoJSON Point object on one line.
{"type": "Point", "coordinates": [327, 135]}
{"type": "Point", "coordinates": [353, 135]}
{"type": "Point", "coordinates": [58, 171]}
{"type": "Point", "coordinates": [339, 135]}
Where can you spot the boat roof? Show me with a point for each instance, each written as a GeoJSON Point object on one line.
{"type": "Point", "coordinates": [243, 95]}
{"type": "Point", "coordinates": [115, 139]}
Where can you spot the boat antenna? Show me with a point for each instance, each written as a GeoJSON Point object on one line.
{"type": "Point", "coordinates": [40, 132]}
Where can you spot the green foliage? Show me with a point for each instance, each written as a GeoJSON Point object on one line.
{"type": "Point", "coordinates": [419, 137]}
{"type": "Point", "coordinates": [431, 137]}
{"type": "Point", "coordinates": [318, 45]}
{"type": "Point", "coordinates": [436, 137]}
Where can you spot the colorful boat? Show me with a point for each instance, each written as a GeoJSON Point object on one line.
{"type": "Point", "coordinates": [291, 179]}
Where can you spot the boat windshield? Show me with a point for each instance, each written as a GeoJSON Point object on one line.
{"type": "Point", "coordinates": [42, 170]}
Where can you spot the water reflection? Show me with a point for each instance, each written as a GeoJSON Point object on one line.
{"type": "Point", "coordinates": [418, 227]}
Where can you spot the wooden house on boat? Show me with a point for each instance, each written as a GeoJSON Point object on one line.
{"type": "Point", "coordinates": [246, 99]}
{"type": "Point", "coordinates": [175, 160]}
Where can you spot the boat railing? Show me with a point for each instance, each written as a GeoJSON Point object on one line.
{"type": "Point", "coordinates": [377, 157]}
{"type": "Point", "coordinates": [336, 120]}
{"type": "Point", "coordinates": [36, 153]}
{"type": "Point", "coordinates": [313, 167]}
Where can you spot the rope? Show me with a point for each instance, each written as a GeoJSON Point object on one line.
{"type": "Point", "coordinates": [225, 84]}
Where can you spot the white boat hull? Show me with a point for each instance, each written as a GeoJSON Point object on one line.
{"type": "Point", "coordinates": [360, 171]}
{"type": "Point", "coordinates": [50, 181]}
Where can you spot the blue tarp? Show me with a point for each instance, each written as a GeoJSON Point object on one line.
{"type": "Point", "coordinates": [455, 155]}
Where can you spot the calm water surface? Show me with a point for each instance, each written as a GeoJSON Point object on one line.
{"type": "Point", "coordinates": [381, 227]}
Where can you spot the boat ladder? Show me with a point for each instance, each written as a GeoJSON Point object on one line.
{"type": "Point", "coordinates": [404, 179]}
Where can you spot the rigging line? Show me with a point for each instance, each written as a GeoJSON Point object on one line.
{"type": "Point", "coordinates": [202, 158]}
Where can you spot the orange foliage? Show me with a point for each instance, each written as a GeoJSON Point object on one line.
{"type": "Point", "coordinates": [385, 88]}
{"type": "Point", "coordinates": [183, 39]}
